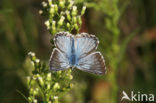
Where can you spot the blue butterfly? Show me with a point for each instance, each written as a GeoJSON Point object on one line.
{"type": "Point", "coordinates": [77, 51]}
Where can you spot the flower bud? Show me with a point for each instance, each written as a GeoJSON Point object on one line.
{"type": "Point", "coordinates": [35, 101]}
{"type": "Point", "coordinates": [48, 86]}
{"type": "Point", "coordinates": [70, 4]}
{"type": "Point", "coordinates": [74, 20]}
{"type": "Point", "coordinates": [37, 75]}
{"type": "Point", "coordinates": [31, 91]}
{"type": "Point", "coordinates": [31, 54]}
{"type": "Point", "coordinates": [83, 10]}
{"type": "Point", "coordinates": [40, 12]}
{"type": "Point", "coordinates": [74, 11]}
{"type": "Point", "coordinates": [28, 79]}
{"type": "Point", "coordinates": [53, 24]}
{"type": "Point", "coordinates": [50, 2]}
{"type": "Point", "coordinates": [34, 77]}
{"type": "Point", "coordinates": [37, 89]}
{"type": "Point", "coordinates": [30, 99]}
{"type": "Point", "coordinates": [69, 70]}
{"type": "Point", "coordinates": [41, 81]}
{"type": "Point", "coordinates": [47, 23]}
{"type": "Point", "coordinates": [76, 26]}
{"type": "Point", "coordinates": [35, 92]}
{"type": "Point", "coordinates": [60, 22]}
{"type": "Point", "coordinates": [79, 20]}
{"type": "Point", "coordinates": [62, 4]}
{"type": "Point", "coordinates": [52, 10]}
{"type": "Point", "coordinates": [56, 99]}
{"type": "Point", "coordinates": [56, 86]}
{"type": "Point", "coordinates": [53, 27]}
{"type": "Point", "coordinates": [68, 15]}
{"type": "Point", "coordinates": [70, 77]}
{"type": "Point", "coordinates": [68, 25]}
{"type": "Point", "coordinates": [62, 13]}
{"type": "Point", "coordinates": [49, 76]}
{"type": "Point", "coordinates": [37, 60]}
{"type": "Point", "coordinates": [55, 8]}
{"type": "Point", "coordinates": [32, 82]}
{"type": "Point", "coordinates": [44, 4]}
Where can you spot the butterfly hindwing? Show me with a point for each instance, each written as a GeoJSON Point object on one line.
{"type": "Point", "coordinates": [93, 63]}
{"type": "Point", "coordinates": [85, 44]}
{"type": "Point", "coordinates": [58, 61]}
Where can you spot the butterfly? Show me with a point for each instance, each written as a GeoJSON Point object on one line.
{"type": "Point", "coordinates": [77, 51]}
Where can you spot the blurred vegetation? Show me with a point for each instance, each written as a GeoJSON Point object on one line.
{"type": "Point", "coordinates": [127, 33]}
{"type": "Point", "coordinates": [45, 86]}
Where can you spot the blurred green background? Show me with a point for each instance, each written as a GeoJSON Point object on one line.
{"type": "Point", "coordinates": [127, 33]}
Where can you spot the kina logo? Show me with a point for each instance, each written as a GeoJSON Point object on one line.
{"type": "Point", "coordinates": [137, 97]}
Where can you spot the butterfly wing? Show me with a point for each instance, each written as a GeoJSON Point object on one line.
{"type": "Point", "coordinates": [85, 44]}
{"type": "Point", "coordinates": [63, 41]}
{"type": "Point", "coordinates": [93, 63]}
{"type": "Point", "coordinates": [58, 61]}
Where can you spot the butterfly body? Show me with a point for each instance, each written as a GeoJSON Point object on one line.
{"type": "Point", "coordinates": [72, 55]}
{"type": "Point", "coordinates": [77, 51]}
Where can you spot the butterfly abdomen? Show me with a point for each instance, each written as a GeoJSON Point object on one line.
{"type": "Point", "coordinates": [73, 60]}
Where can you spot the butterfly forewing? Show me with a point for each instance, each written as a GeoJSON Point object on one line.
{"type": "Point", "coordinates": [85, 44]}
{"type": "Point", "coordinates": [63, 42]}
{"type": "Point", "coordinates": [93, 63]}
{"type": "Point", "coordinates": [58, 61]}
